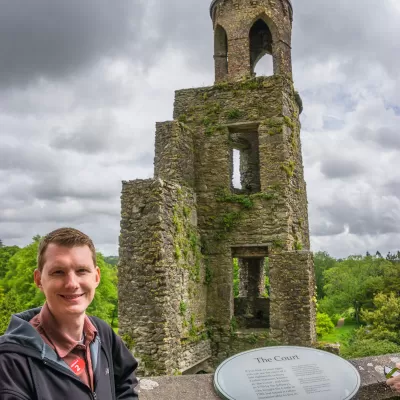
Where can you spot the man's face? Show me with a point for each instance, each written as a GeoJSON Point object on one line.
{"type": "Point", "coordinates": [68, 279]}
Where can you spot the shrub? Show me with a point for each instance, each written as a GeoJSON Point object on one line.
{"type": "Point", "coordinates": [369, 347]}
{"type": "Point", "coordinates": [324, 324]}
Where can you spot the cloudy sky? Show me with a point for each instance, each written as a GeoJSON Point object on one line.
{"type": "Point", "coordinates": [82, 84]}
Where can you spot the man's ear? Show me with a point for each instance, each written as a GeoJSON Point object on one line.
{"type": "Point", "coordinates": [37, 277]}
{"type": "Point", "coordinates": [98, 276]}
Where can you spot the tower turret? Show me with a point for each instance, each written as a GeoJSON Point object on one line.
{"type": "Point", "coordinates": [246, 30]}
{"type": "Point", "coordinates": [197, 244]}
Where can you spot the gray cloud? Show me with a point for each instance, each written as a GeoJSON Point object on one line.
{"type": "Point", "coordinates": [339, 167]}
{"type": "Point", "coordinates": [365, 217]}
{"type": "Point", "coordinates": [392, 188]}
{"type": "Point", "coordinates": [94, 135]}
{"type": "Point", "coordinates": [48, 38]}
{"type": "Point", "coordinates": [84, 82]}
{"type": "Point", "coordinates": [385, 137]}
{"type": "Point", "coordinates": [26, 158]}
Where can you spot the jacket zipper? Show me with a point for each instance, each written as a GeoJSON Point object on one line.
{"type": "Point", "coordinates": [66, 372]}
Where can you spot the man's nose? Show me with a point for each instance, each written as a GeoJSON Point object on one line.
{"type": "Point", "coordinates": [71, 280]}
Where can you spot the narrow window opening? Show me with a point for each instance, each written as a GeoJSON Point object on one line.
{"type": "Point", "coordinates": [245, 162]}
{"type": "Point", "coordinates": [251, 290]}
{"type": "Point", "coordinates": [260, 45]}
{"type": "Point", "coordinates": [236, 170]}
{"type": "Point", "coordinates": [220, 53]}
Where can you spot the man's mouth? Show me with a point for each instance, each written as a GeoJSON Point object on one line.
{"type": "Point", "coordinates": [71, 296]}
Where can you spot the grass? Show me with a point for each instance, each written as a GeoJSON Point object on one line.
{"type": "Point", "coordinates": [341, 335]}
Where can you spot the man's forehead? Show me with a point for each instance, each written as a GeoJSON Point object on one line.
{"type": "Point", "coordinates": [56, 251]}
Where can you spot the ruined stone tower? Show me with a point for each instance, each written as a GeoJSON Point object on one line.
{"type": "Point", "coordinates": [181, 230]}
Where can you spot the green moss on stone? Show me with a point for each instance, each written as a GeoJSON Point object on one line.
{"type": "Point", "coordinates": [288, 168]}
{"type": "Point", "coordinates": [182, 308]}
{"type": "Point", "coordinates": [289, 122]}
{"type": "Point", "coordinates": [129, 341]}
{"type": "Point", "coordinates": [233, 113]}
{"type": "Point", "coordinates": [183, 118]}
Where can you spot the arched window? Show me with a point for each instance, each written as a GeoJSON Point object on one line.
{"type": "Point", "coordinates": [260, 46]}
{"type": "Point", "coordinates": [220, 53]}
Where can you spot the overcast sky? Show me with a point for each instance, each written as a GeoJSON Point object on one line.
{"type": "Point", "coordinates": [82, 84]}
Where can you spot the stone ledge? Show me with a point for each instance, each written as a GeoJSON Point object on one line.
{"type": "Point", "coordinates": [200, 387]}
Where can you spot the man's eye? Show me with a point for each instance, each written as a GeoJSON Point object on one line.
{"type": "Point", "coordinates": [82, 271]}
{"type": "Point", "coordinates": [59, 272]}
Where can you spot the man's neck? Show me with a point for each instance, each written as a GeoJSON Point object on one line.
{"type": "Point", "coordinates": [72, 325]}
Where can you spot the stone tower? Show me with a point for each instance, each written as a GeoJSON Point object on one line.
{"type": "Point", "coordinates": [181, 230]}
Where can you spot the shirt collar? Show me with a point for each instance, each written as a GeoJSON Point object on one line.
{"type": "Point", "coordinates": [62, 342]}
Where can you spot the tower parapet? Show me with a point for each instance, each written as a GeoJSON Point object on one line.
{"type": "Point", "coordinates": [246, 30]}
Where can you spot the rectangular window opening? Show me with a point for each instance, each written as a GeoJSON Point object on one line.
{"type": "Point", "coordinates": [245, 162]}
{"type": "Point", "coordinates": [251, 288]}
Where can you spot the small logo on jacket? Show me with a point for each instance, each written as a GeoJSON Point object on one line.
{"type": "Point", "coordinates": [107, 371]}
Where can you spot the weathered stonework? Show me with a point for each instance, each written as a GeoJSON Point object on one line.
{"type": "Point", "coordinates": [200, 387]}
{"type": "Point", "coordinates": [181, 230]}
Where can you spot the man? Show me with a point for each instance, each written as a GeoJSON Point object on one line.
{"type": "Point", "coordinates": [394, 382]}
{"type": "Point", "coordinates": [57, 351]}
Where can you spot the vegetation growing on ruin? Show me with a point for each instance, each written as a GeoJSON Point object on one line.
{"type": "Point", "coordinates": [129, 341]}
{"type": "Point", "coordinates": [187, 246]}
{"type": "Point", "coordinates": [233, 113]}
{"type": "Point", "coordinates": [288, 167]}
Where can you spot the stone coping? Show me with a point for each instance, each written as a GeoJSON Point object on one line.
{"type": "Point", "coordinates": [214, 2]}
{"type": "Point", "coordinates": [200, 387]}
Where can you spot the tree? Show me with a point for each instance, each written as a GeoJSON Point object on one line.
{"type": "Point", "coordinates": [383, 322]}
{"type": "Point", "coordinates": [381, 335]}
{"type": "Point", "coordinates": [19, 276]}
{"type": "Point", "coordinates": [322, 262]}
{"type": "Point", "coordinates": [9, 304]}
{"type": "Point", "coordinates": [354, 282]}
{"type": "Point", "coordinates": [105, 302]}
{"type": "Point", "coordinates": [324, 324]}
{"type": "Point", "coordinates": [6, 252]}
{"type": "Point", "coordinates": [112, 260]}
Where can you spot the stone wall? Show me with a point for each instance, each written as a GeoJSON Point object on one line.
{"type": "Point", "coordinates": [200, 387]}
{"type": "Point", "coordinates": [174, 153]}
{"type": "Point", "coordinates": [161, 271]}
{"type": "Point", "coordinates": [292, 310]}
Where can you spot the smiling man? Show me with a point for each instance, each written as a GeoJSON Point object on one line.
{"type": "Point", "coordinates": [57, 351]}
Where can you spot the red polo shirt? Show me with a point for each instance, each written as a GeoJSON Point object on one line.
{"type": "Point", "coordinates": [75, 354]}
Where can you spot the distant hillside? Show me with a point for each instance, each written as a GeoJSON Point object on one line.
{"type": "Point", "coordinates": [113, 260]}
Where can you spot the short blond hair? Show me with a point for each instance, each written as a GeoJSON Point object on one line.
{"type": "Point", "coordinates": [68, 237]}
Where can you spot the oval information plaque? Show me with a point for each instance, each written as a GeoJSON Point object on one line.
{"type": "Point", "coordinates": [286, 372]}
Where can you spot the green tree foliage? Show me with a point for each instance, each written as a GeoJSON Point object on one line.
{"type": "Point", "coordinates": [322, 262]}
{"type": "Point", "coordinates": [9, 304]}
{"type": "Point", "coordinates": [324, 324]}
{"type": "Point", "coordinates": [354, 282]}
{"type": "Point", "coordinates": [105, 302]}
{"type": "Point", "coordinates": [112, 260]}
{"type": "Point", "coordinates": [381, 335]}
{"type": "Point", "coordinates": [6, 252]}
{"type": "Point", "coordinates": [369, 347]}
{"type": "Point", "coordinates": [19, 276]}
{"type": "Point", "coordinates": [383, 322]}
{"type": "Point", "coordinates": [236, 277]}
{"type": "Point", "coordinates": [18, 291]}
